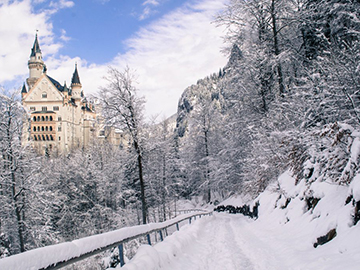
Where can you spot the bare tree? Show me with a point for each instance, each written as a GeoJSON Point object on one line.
{"type": "Point", "coordinates": [12, 189]}
{"type": "Point", "coordinates": [122, 108]}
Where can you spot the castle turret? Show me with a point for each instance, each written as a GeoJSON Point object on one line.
{"type": "Point", "coordinates": [36, 64]}
{"type": "Point", "coordinates": [76, 85]}
{"type": "Point", "coordinates": [23, 91]}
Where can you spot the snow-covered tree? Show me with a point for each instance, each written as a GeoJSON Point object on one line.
{"type": "Point", "coordinates": [122, 108]}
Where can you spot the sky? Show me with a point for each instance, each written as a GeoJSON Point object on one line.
{"type": "Point", "coordinates": [168, 44]}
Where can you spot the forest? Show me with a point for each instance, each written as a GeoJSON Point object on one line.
{"type": "Point", "coordinates": [288, 98]}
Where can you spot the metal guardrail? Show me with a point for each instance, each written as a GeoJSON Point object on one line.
{"type": "Point", "coordinates": [36, 257]}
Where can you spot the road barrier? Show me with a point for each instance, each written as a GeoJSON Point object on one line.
{"type": "Point", "coordinates": [63, 254]}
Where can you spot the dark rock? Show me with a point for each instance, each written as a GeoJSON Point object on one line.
{"type": "Point", "coordinates": [325, 238]}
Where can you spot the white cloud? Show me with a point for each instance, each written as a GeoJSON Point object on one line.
{"type": "Point", "coordinates": [63, 36]}
{"type": "Point", "coordinates": [61, 4]}
{"type": "Point", "coordinates": [167, 55]}
{"type": "Point", "coordinates": [151, 2]}
{"type": "Point", "coordinates": [146, 13]}
{"type": "Point", "coordinates": [20, 33]}
{"type": "Point", "coordinates": [174, 52]}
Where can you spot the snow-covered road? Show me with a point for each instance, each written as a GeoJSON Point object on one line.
{"type": "Point", "coordinates": [220, 242]}
{"type": "Point", "coordinates": [235, 242]}
{"type": "Point", "coordinates": [218, 246]}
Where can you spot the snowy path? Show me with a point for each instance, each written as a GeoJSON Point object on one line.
{"type": "Point", "coordinates": [218, 246]}
{"type": "Point", "coordinates": [234, 242]}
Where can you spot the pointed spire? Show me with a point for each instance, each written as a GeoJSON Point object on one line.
{"type": "Point", "coordinates": [23, 90]}
{"type": "Point", "coordinates": [36, 47]}
{"type": "Point", "coordinates": [65, 87]}
{"type": "Point", "coordinates": [75, 79]}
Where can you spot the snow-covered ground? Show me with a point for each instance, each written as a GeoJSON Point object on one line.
{"type": "Point", "coordinates": [282, 238]}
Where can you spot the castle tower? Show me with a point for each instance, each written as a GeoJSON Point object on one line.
{"type": "Point", "coordinates": [76, 85]}
{"type": "Point", "coordinates": [36, 64]}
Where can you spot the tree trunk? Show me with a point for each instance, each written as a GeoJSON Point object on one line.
{"type": "Point", "coordinates": [163, 195]}
{"type": "Point", "coordinates": [276, 48]}
{"type": "Point", "coordinates": [142, 184]}
{"type": "Point", "coordinates": [207, 170]}
{"type": "Point", "coordinates": [14, 196]}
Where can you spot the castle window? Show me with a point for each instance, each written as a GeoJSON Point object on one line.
{"type": "Point", "coordinates": [38, 128]}
{"type": "Point", "coordinates": [46, 128]}
{"type": "Point", "coordinates": [51, 118]}
{"type": "Point", "coordinates": [44, 109]}
{"type": "Point", "coordinates": [38, 118]}
{"type": "Point", "coordinates": [35, 138]}
{"type": "Point", "coordinates": [50, 128]}
{"type": "Point", "coordinates": [42, 118]}
{"type": "Point", "coordinates": [39, 138]}
{"type": "Point", "coordinates": [46, 118]}
{"type": "Point", "coordinates": [34, 128]}
{"type": "Point", "coordinates": [44, 95]}
{"type": "Point", "coordinates": [51, 138]}
{"type": "Point", "coordinates": [56, 108]}
{"type": "Point", "coordinates": [42, 129]}
{"type": "Point", "coordinates": [34, 118]}
{"type": "Point", "coordinates": [47, 137]}
{"type": "Point", "coordinates": [43, 137]}
{"type": "Point", "coordinates": [32, 109]}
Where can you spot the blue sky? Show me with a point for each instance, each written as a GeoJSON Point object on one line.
{"type": "Point", "coordinates": [169, 44]}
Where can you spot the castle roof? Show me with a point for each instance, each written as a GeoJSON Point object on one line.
{"type": "Point", "coordinates": [36, 47]}
{"type": "Point", "coordinates": [56, 84]}
{"type": "Point", "coordinates": [75, 78]}
{"type": "Point", "coordinates": [23, 90]}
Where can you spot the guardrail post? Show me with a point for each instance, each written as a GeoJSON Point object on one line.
{"type": "Point", "coordinates": [161, 236]}
{"type": "Point", "coordinates": [121, 255]}
{"type": "Point", "coordinates": [177, 226]}
{"type": "Point", "coordinates": [148, 239]}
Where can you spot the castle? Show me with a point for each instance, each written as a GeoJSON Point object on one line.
{"type": "Point", "coordinates": [61, 118]}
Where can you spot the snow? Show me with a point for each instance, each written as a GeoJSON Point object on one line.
{"type": "Point", "coordinates": [282, 238]}
{"type": "Point", "coordinates": [355, 187]}
{"type": "Point", "coordinates": [43, 257]}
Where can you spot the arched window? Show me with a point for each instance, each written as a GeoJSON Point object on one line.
{"type": "Point", "coordinates": [38, 128]}
{"type": "Point", "coordinates": [51, 118]}
{"type": "Point", "coordinates": [47, 137]}
{"type": "Point", "coordinates": [44, 95]}
{"type": "Point", "coordinates": [35, 138]}
{"type": "Point", "coordinates": [42, 118]}
{"type": "Point", "coordinates": [43, 137]}
{"type": "Point", "coordinates": [42, 129]}
{"type": "Point", "coordinates": [38, 118]}
{"type": "Point", "coordinates": [34, 118]}
{"type": "Point", "coordinates": [47, 118]}
{"type": "Point", "coordinates": [51, 138]}
{"type": "Point", "coordinates": [39, 138]}
{"type": "Point", "coordinates": [34, 128]}
{"type": "Point", "coordinates": [46, 128]}
{"type": "Point", "coordinates": [50, 128]}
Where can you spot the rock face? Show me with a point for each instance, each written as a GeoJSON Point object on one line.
{"type": "Point", "coordinates": [212, 88]}
{"type": "Point", "coordinates": [325, 238]}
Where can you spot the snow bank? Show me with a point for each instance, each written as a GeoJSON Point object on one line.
{"type": "Point", "coordinates": [46, 256]}
{"type": "Point", "coordinates": [296, 227]}
{"type": "Point", "coordinates": [293, 216]}
{"type": "Point", "coordinates": [162, 254]}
